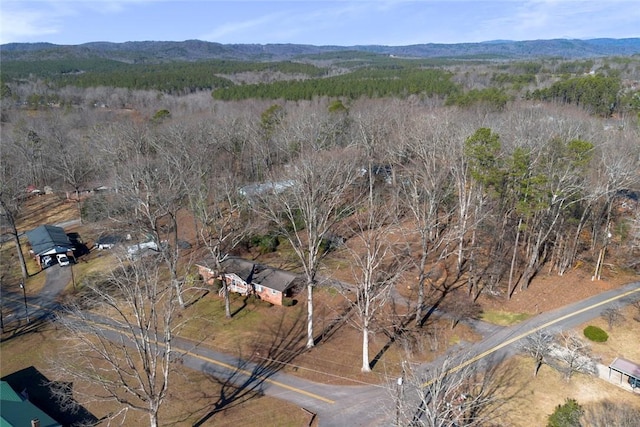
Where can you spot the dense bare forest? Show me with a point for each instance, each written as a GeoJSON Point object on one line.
{"type": "Point", "coordinates": [533, 183]}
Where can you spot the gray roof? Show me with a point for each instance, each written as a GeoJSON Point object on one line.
{"type": "Point", "coordinates": [49, 239]}
{"type": "Point", "coordinates": [240, 267]}
{"type": "Point", "coordinates": [250, 272]}
{"type": "Point", "coordinates": [273, 278]}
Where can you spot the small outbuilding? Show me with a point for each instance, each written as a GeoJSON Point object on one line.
{"type": "Point", "coordinates": [626, 368]}
{"type": "Point", "coordinates": [49, 240]}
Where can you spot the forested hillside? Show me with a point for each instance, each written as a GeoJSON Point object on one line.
{"type": "Point", "coordinates": [190, 50]}
{"type": "Point", "coordinates": [55, 75]}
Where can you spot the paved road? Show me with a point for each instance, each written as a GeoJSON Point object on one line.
{"type": "Point", "coordinates": [364, 405]}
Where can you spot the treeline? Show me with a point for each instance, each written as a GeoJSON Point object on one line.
{"type": "Point", "coordinates": [172, 77]}
{"type": "Point", "coordinates": [597, 93]}
{"type": "Point", "coordinates": [463, 84]}
{"type": "Point", "coordinates": [370, 83]}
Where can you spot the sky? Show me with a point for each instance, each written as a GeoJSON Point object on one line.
{"type": "Point", "coordinates": [338, 22]}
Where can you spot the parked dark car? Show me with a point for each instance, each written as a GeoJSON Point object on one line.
{"type": "Point", "coordinates": [634, 382]}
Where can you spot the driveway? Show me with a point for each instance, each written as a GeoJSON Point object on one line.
{"type": "Point", "coordinates": [43, 304]}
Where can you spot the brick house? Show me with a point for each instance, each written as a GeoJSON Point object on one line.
{"type": "Point", "coordinates": [248, 278]}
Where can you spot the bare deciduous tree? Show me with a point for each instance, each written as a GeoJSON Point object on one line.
{"type": "Point", "coordinates": [538, 345]}
{"type": "Point", "coordinates": [12, 195]}
{"type": "Point", "coordinates": [219, 212]}
{"type": "Point", "coordinates": [473, 395]}
{"type": "Point", "coordinates": [424, 190]}
{"type": "Point", "coordinates": [612, 315]}
{"type": "Point", "coordinates": [123, 357]}
{"type": "Point", "coordinates": [574, 355]}
{"type": "Point", "coordinates": [376, 268]}
{"type": "Point", "coordinates": [305, 204]}
{"type": "Point", "coordinates": [73, 161]}
{"type": "Point", "coordinates": [149, 166]}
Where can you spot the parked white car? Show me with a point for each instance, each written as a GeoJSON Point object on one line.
{"type": "Point", "coordinates": [63, 260]}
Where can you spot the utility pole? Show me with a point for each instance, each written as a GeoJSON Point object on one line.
{"type": "Point", "coordinates": [1, 320]}
{"type": "Point", "coordinates": [24, 294]}
{"type": "Point", "coordinates": [73, 279]}
{"type": "Point", "coordinates": [399, 391]}
{"type": "Point", "coordinates": [1, 316]}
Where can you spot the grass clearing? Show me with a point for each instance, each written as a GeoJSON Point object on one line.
{"type": "Point", "coordinates": [623, 339]}
{"type": "Point", "coordinates": [503, 318]}
{"type": "Point", "coordinates": [541, 394]}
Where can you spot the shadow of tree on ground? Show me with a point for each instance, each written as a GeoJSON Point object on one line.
{"type": "Point", "coordinates": [276, 345]}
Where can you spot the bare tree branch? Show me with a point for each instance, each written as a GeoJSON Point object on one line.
{"type": "Point", "coordinates": [125, 359]}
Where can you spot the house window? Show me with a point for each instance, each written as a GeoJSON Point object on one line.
{"type": "Point", "coordinates": [274, 292]}
{"type": "Point", "coordinates": [258, 288]}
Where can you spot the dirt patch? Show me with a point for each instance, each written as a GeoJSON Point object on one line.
{"type": "Point", "coordinates": [549, 291]}
{"type": "Point", "coordinates": [47, 209]}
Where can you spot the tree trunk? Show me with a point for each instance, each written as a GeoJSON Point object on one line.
{"type": "Point", "coordinates": [366, 367]}
{"type": "Point", "coordinates": [421, 280]}
{"type": "Point", "coordinates": [177, 287]}
{"type": "Point", "coordinates": [23, 264]}
{"type": "Point", "coordinates": [570, 257]}
{"type": "Point", "coordinates": [79, 204]}
{"type": "Point", "coordinates": [510, 287]}
{"type": "Point", "coordinates": [310, 342]}
{"type": "Point", "coordinates": [537, 367]}
{"type": "Point", "coordinates": [227, 302]}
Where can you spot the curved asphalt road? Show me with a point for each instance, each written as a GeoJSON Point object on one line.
{"type": "Point", "coordinates": [364, 405]}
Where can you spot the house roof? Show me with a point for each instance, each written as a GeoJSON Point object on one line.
{"type": "Point", "coordinates": [49, 239]}
{"type": "Point", "coordinates": [272, 278]}
{"type": "Point", "coordinates": [250, 272]}
{"type": "Point", "coordinates": [15, 411]}
{"type": "Point", "coordinates": [240, 267]}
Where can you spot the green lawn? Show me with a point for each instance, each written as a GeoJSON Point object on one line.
{"type": "Point", "coordinates": [503, 318]}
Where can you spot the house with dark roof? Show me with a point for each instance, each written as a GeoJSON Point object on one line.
{"type": "Point", "coordinates": [248, 278]}
{"type": "Point", "coordinates": [49, 240]}
{"type": "Point", "coordinates": [17, 411]}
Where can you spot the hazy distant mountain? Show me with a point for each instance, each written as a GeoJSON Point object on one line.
{"type": "Point", "coordinates": [191, 50]}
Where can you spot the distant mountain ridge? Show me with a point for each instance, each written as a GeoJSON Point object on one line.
{"type": "Point", "coordinates": [192, 50]}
